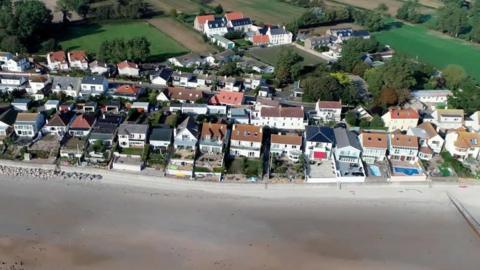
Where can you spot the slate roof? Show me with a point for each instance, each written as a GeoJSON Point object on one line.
{"type": "Point", "coordinates": [93, 80]}
{"type": "Point", "coordinates": [190, 125]}
{"type": "Point", "coordinates": [60, 119]}
{"type": "Point", "coordinates": [161, 134]}
{"type": "Point", "coordinates": [217, 23]}
{"type": "Point", "coordinates": [8, 116]}
{"type": "Point", "coordinates": [164, 73]}
{"type": "Point", "coordinates": [277, 31]}
{"type": "Point", "coordinates": [345, 138]}
{"type": "Point", "coordinates": [127, 129]}
{"type": "Point", "coordinates": [241, 22]}
{"type": "Point", "coordinates": [65, 82]}
{"type": "Point", "coordinates": [320, 134]}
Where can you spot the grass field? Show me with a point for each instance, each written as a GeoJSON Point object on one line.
{"type": "Point", "coordinates": [433, 47]}
{"type": "Point", "coordinates": [266, 11]}
{"type": "Point", "coordinates": [269, 55]}
{"type": "Point", "coordinates": [89, 37]}
{"type": "Point", "coordinates": [393, 5]}
{"type": "Point", "coordinates": [185, 6]}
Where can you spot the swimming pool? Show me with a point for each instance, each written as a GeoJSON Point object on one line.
{"type": "Point", "coordinates": [406, 171]}
{"type": "Point", "coordinates": [374, 170]}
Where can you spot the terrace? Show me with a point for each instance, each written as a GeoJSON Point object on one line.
{"type": "Point", "coordinates": [321, 172]}
{"type": "Point", "coordinates": [209, 162]}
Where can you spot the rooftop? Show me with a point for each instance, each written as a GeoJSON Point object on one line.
{"type": "Point", "coordinates": [410, 113]}
{"type": "Point", "coordinates": [214, 131]}
{"type": "Point", "coordinates": [244, 132]}
{"type": "Point", "coordinates": [374, 140]}
{"type": "Point", "coordinates": [292, 139]}
{"type": "Point", "coordinates": [400, 140]}
{"type": "Point", "coordinates": [294, 112]}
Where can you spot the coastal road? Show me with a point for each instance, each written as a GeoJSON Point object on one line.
{"type": "Point", "coordinates": [71, 225]}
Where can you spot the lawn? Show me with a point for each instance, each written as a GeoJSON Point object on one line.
{"type": "Point", "coordinates": [89, 37]}
{"type": "Point", "coordinates": [431, 47]}
{"type": "Point", "coordinates": [270, 55]}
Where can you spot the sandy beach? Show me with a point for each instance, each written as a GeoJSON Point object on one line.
{"type": "Point", "coordinates": [50, 224]}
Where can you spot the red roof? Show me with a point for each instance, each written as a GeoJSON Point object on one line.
{"type": "Point", "coordinates": [83, 121]}
{"type": "Point", "coordinates": [319, 155]}
{"type": "Point", "coordinates": [404, 114]}
{"type": "Point", "coordinates": [180, 93]}
{"type": "Point", "coordinates": [234, 15]}
{"type": "Point", "coordinates": [260, 39]}
{"type": "Point", "coordinates": [78, 56]}
{"type": "Point", "coordinates": [329, 104]}
{"type": "Point", "coordinates": [58, 56]}
{"type": "Point", "coordinates": [127, 89]}
{"type": "Point", "coordinates": [227, 98]}
{"type": "Point", "coordinates": [293, 112]}
{"type": "Point", "coordinates": [204, 18]}
{"type": "Point", "coordinates": [126, 64]}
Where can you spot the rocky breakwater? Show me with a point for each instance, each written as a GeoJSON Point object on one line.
{"type": "Point", "coordinates": [46, 173]}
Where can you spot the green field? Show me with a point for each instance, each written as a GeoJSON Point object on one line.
{"type": "Point", "coordinates": [270, 55]}
{"type": "Point", "coordinates": [89, 37]}
{"type": "Point", "coordinates": [432, 47]}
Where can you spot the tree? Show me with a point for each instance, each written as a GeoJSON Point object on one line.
{"type": "Point", "coordinates": [409, 12]}
{"type": "Point", "coordinates": [466, 96]}
{"type": "Point", "coordinates": [454, 75]}
{"type": "Point", "coordinates": [31, 17]}
{"type": "Point", "coordinates": [377, 122]}
{"type": "Point", "coordinates": [351, 118]}
{"type": "Point", "coordinates": [229, 69]}
{"type": "Point", "coordinates": [452, 19]}
{"type": "Point", "coordinates": [382, 8]}
{"type": "Point", "coordinates": [388, 96]}
{"type": "Point", "coordinates": [353, 49]}
{"type": "Point", "coordinates": [116, 50]}
{"type": "Point", "coordinates": [286, 68]}
{"type": "Point", "coordinates": [371, 19]}
{"type": "Point", "coordinates": [323, 87]}
{"type": "Point", "coordinates": [12, 44]}
{"type": "Point", "coordinates": [218, 9]}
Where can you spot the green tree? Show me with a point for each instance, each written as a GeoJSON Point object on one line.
{"type": "Point", "coordinates": [323, 87]}
{"type": "Point", "coordinates": [286, 68]}
{"type": "Point", "coordinates": [218, 9]}
{"type": "Point", "coordinates": [31, 17]}
{"type": "Point", "coordinates": [454, 75]}
{"type": "Point", "coordinates": [409, 12]}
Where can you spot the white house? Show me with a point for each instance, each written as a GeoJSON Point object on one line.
{"type": "Point", "coordinates": [36, 83]}
{"type": "Point", "coordinates": [279, 36]}
{"type": "Point", "coordinates": [97, 67]}
{"type": "Point", "coordinates": [347, 152]}
{"type": "Point", "coordinates": [240, 24]}
{"type": "Point", "coordinates": [319, 143]}
{"type": "Point", "coordinates": [161, 138]}
{"type": "Point", "coordinates": [291, 118]}
{"type": "Point", "coordinates": [462, 144]}
{"type": "Point", "coordinates": [21, 104]}
{"type": "Point", "coordinates": [446, 119]}
{"type": "Point", "coordinates": [16, 64]}
{"type": "Point", "coordinates": [59, 124]}
{"type": "Point", "coordinates": [93, 86]}
{"type": "Point", "coordinates": [246, 141]}
{"type": "Point", "coordinates": [374, 146]}
{"type": "Point", "coordinates": [7, 119]}
{"type": "Point", "coordinates": [328, 111]}
{"type": "Point", "coordinates": [400, 119]}
{"type": "Point", "coordinates": [201, 20]}
{"type": "Point", "coordinates": [129, 69]}
{"type": "Point", "coordinates": [51, 104]}
{"type": "Point", "coordinates": [403, 147]}
{"type": "Point", "coordinates": [427, 137]}
{"type": "Point", "coordinates": [288, 145]}
{"type": "Point", "coordinates": [161, 77]}
{"type": "Point", "coordinates": [186, 135]}
{"type": "Point", "coordinates": [5, 56]}
{"type": "Point", "coordinates": [78, 60]}
{"type": "Point", "coordinates": [218, 26]}
{"type": "Point", "coordinates": [473, 122]}
{"type": "Point", "coordinates": [132, 135]}
{"type": "Point", "coordinates": [432, 98]}
{"type": "Point", "coordinates": [57, 61]}
{"type": "Point", "coordinates": [213, 138]}
{"type": "Point", "coordinates": [252, 81]}
{"type": "Point", "coordinates": [70, 86]}
{"type": "Point", "coordinates": [28, 124]}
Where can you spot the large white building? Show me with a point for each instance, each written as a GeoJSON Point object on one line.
{"type": "Point", "coordinates": [374, 146]}
{"type": "Point", "coordinates": [328, 111]}
{"type": "Point", "coordinates": [319, 143]}
{"type": "Point", "coordinates": [462, 144]}
{"type": "Point", "coordinates": [400, 119]}
{"type": "Point", "coordinates": [279, 36]}
{"type": "Point", "coordinates": [291, 118]}
{"type": "Point", "coordinates": [246, 141]}
{"type": "Point", "coordinates": [446, 119]}
{"type": "Point", "coordinates": [288, 145]}
{"type": "Point", "coordinates": [403, 147]}
{"type": "Point", "coordinates": [132, 135]}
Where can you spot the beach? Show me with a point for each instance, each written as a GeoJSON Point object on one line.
{"type": "Point", "coordinates": [61, 224]}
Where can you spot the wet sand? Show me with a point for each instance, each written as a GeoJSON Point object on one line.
{"type": "Point", "coordinates": [54, 225]}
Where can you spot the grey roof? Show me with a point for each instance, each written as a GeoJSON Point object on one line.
{"type": "Point", "coordinates": [21, 101]}
{"type": "Point", "coordinates": [190, 125]}
{"type": "Point", "coordinates": [419, 132]}
{"type": "Point", "coordinates": [164, 73]}
{"type": "Point", "coordinates": [278, 31]}
{"type": "Point", "coordinates": [93, 80]}
{"type": "Point", "coordinates": [8, 116]}
{"type": "Point", "coordinates": [238, 112]}
{"type": "Point", "coordinates": [161, 134]}
{"type": "Point", "coordinates": [217, 23]}
{"type": "Point", "coordinates": [127, 129]}
{"type": "Point", "coordinates": [241, 22]}
{"type": "Point", "coordinates": [320, 134]}
{"type": "Point", "coordinates": [64, 82]}
{"type": "Point", "coordinates": [346, 138]}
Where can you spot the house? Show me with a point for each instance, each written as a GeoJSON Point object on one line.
{"type": "Point", "coordinates": [184, 95]}
{"type": "Point", "coordinates": [184, 79]}
{"type": "Point", "coordinates": [427, 137]}
{"type": "Point", "coordinates": [59, 123]}
{"type": "Point", "coordinates": [400, 119]}
{"type": "Point", "coordinates": [78, 60]}
{"type": "Point", "coordinates": [161, 77]}
{"type": "Point", "coordinates": [51, 104]}
{"type": "Point", "coordinates": [105, 132]}
{"type": "Point", "coordinates": [260, 40]}
{"type": "Point", "coordinates": [93, 86]}
{"type": "Point", "coordinates": [194, 109]}
{"type": "Point", "coordinates": [348, 164]}
{"type": "Point", "coordinates": [246, 141]}
{"type": "Point", "coordinates": [7, 118]}
{"type": "Point", "coordinates": [140, 106]}
{"type": "Point", "coordinates": [162, 97]}
{"type": "Point", "coordinates": [186, 135]}
{"type": "Point", "coordinates": [222, 42]}
{"type": "Point", "coordinates": [66, 106]}
{"type": "Point", "coordinates": [132, 135]}
{"type": "Point", "coordinates": [98, 67]}
{"type": "Point", "coordinates": [297, 89]}
{"type": "Point", "coordinates": [319, 142]}
{"type": "Point", "coordinates": [57, 61]}
{"type": "Point", "coordinates": [28, 124]}
{"type": "Point", "coordinates": [462, 144]}
{"type": "Point", "coordinates": [69, 86]}
{"type": "Point", "coordinates": [374, 146]}
{"type": "Point", "coordinates": [187, 60]}
{"type": "Point", "coordinates": [16, 64]}
{"type": "Point", "coordinates": [316, 42]}
{"type": "Point", "coordinates": [5, 56]}
{"type": "Point", "coordinates": [37, 83]}
{"type": "Point", "coordinates": [240, 25]}
{"type": "Point", "coordinates": [403, 147]}
{"type": "Point", "coordinates": [239, 115]}
{"type": "Point", "coordinates": [279, 36]}
{"type": "Point", "coordinates": [201, 20]}
{"type": "Point", "coordinates": [86, 107]}
{"type": "Point", "coordinates": [21, 104]}
{"type": "Point", "coordinates": [280, 117]}
{"type": "Point", "coordinates": [217, 109]}
{"type": "Point", "coordinates": [288, 145]}
{"type": "Point", "coordinates": [11, 83]}
{"type": "Point", "coordinates": [161, 138]}
{"type": "Point", "coordinates": [473, 122]}
{"type": "Point", "coordinates": [213, 138]}
{"type": "Point", "coordinates": [234, 15]}
{"type": "Point", "coordinates": [328, 111]}
{"type": "Point", "coordinates": [225, 56]}
{"type": "Point", "coordinates": [432, 98]}
{"type": "Point", "coordinates": [446, 119]}
{"type": "Point", "coordinates": [248, 63]}
{"type": "Point", "coordinates": [252, 81]}
{"type": "Point", "coordinates": [227, 98]}
{"type": "Point", "coordinates": [111, 106]}
{"type": "Point", "coordinates": [82, 125]}
{"type": "Point", "coordinates": [217, 26]}
{"type": "Point", "coordinates": [128, 69]}
{"type": "Point", "coordinates": [127, 91]}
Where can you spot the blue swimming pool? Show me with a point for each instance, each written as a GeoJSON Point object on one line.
{"type": "Point", "coordinates": [406, 171]}
{"type": "Point", "coordinates": [374, 170]}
